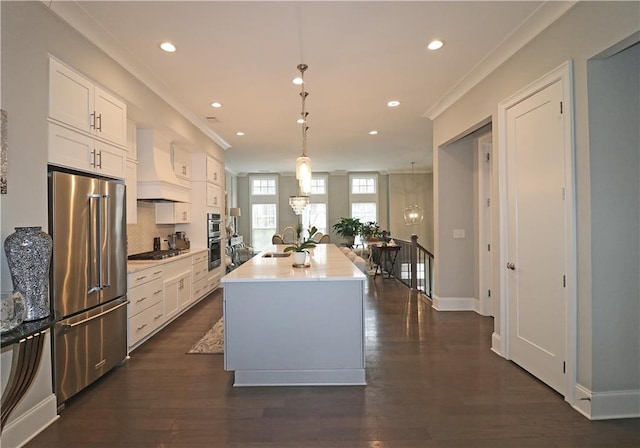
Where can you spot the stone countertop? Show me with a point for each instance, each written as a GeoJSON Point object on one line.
{"type": "Point", "coordinates": [327, 263]}
{"type": "Point", "coordinates": [27, 329]}
{"type": "Point", "coordinates": [138, 265]}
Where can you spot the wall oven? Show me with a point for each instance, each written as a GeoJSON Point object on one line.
{"type": "Point", "coordinates": [215, 253]}
{"type": "Point", "coordinates": [214, 229]}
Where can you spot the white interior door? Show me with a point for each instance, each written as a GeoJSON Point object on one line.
{"type": "Point", "coordinates": [537, 235]}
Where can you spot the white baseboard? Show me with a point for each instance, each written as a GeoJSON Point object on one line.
{"type": "Point", "coordinates": [21, 430]}
{"type": "Point", "coordinates": [496, 344]}
{"type": "Point", "coordinates": [455, 303]}
{"type": "Point", "coordinates": [607, 405]}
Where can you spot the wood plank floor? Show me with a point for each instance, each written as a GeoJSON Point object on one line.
{"type": "Point", "coordinates": [432, 382]}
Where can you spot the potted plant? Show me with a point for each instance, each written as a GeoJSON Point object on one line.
{"type": "Point", "coordinates": [301, 249]}
{"type": "Point", "coordinates": [370, 231]}
{"type": "Point", "coordinates": [348, 228]}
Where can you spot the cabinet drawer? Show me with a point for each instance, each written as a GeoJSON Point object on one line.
{"type": "Point", "coordinates": [146, 275]}
{"type": "Point", "coordinates": [200, 288]}
{"type": "Point", "coordinates": [200, 270]}
{"type": "Point", "coordinates": [145, 295]}
{"type": "Point", "coordinates": [201, 256]}
{"type": "Point", "coordinates": [213, 281]}
{"type": "Point", "coordinates": [144, 323]}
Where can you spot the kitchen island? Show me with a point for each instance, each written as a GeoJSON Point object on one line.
{"type": "Point", "coordinates": [287, 325]}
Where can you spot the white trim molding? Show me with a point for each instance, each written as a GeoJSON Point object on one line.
{"type": "Point", "coordinates": [28, 425]}
{"type": "Point", "coordinates": [496, 344]}
{"type": "Point", "coordinates": [455, 303]}
{"type": "Point", "coordinates": [607, 405]}
{"type": "Point", "coordinates": [537, 22]}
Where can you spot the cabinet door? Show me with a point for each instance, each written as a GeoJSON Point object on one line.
{"type": "Point", "coordinates": [181, 162]}
{"type": "Point", "coordinates": [71, 97]}
{"type": "Point", "coordinates": [184, 290]}
{"type": "Point", "coordinates": [171, 303]}
{"type": "Point", "coordinates": [70, 149]}
{"type": "Point", "coordinates": [110, 121]}
{"type": "Point", "coordinates": [182, 211]}
{"type": "Point", "coordinates": [110, 160]}
{"type": "Point", "coordinates": [214, 196]}
{"type": "Point", "coordinates": [214, 171]}
{"type": "Point", "coordinates": [132, 192]}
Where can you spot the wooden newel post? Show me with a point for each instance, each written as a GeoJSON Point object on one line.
{"type": "Point", "coordinates": [414, 262]}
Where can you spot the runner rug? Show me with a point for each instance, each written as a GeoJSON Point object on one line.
{"type": "Point", "coordinates": [212, 342]}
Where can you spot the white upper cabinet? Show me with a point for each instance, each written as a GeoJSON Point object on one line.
{"type": "Point", "coordinates": [214, 171]}
{"type": "Point", "coordinates": [207, 168]}
{"type": "Point", "coordinates": [80, 151]}
{"type": "Point", "coordinates": [77, 102]}
{"type": "Point", "coordinates": [181, 162]}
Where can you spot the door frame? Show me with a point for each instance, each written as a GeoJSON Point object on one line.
{"type": "Point", "coordinates": [564, 74]}
{"type": "Point", "coordinates": [486, 305]}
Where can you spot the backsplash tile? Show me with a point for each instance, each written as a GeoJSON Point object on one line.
{"type": "Point", "coordinates": [140, 236]}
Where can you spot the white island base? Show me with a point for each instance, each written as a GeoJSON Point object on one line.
{"type": "Point", "coordinates": [293, 326]}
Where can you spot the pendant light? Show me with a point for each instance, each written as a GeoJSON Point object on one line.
{"type": "Point", "coordinates": [413, 214]}
{"type": "Point", "coordinates": [303, 163]}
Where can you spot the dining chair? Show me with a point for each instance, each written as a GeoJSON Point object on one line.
{"type": "Point", "coordinates": [277, 239]}
{"type": "Point", "coordinates": [324, 239]}
{"type": "Point", "coordinates": [289, 235]}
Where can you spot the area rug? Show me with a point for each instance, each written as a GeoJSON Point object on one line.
{"type": "Point", "coordinates": [212, 342]}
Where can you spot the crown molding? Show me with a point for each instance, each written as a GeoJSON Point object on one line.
{"type": "Point", "coordinates": [534, 24]}
{"type": "Point", "coordinates": [76, 17]}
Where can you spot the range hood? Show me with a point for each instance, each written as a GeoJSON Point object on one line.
{"type": "Point", "coordinates": [157, 182]}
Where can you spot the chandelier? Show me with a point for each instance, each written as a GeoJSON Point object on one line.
{"type": "Point", "coordinates": [413, 213]}
{"type": "Point", "coordinates": [303, 163]}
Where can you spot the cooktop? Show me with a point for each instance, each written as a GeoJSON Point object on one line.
{"type": "Point", "coordinates": [156, 254]}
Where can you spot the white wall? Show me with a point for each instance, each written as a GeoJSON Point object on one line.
{"type": "Point", "coordinates": [584, 31]}
{"type": "Point", "coordinates": [454, 257]}
{"type": "Point", "coordinates": [614, 149]}
{"type": "Point", "coordinates": [405, 188]}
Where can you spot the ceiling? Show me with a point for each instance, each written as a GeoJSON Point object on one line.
{"type": "Point", "coordinates": [360, 56]}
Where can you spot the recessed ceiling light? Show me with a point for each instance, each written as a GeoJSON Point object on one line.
{"type": "Point", "coordinates": [373, 132]}
{"type": "Point", "coordinates": [394, 103]}
{"type": "Point", "coordinates": [216, 105]}
{"type": "Point", "coordinates": [435, 45]}
{"type": "Point", "coordinates": [168, 47]}
{"type": "Point", "coordinates": [297, 81]}
{"type": "Point", "coordinates": [239, 133]}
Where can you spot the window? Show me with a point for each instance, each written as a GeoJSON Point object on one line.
{"type": "Point", "coordinates": [264, 210]}
{"type": "Point", "coordinates": [364, 185]}
{"type": "Point", "coordinates": [315, 214]}
{"type": "Point", "coordinates": [364, 211]}
{"type": "Point", "coordinates": [263, 187]}
{"type": "Point", "coordinates": [363, 197]}
{"type": "Point", "coordinates": [319, 185]}
{"type": "Point", "coordinates": [263, 224]}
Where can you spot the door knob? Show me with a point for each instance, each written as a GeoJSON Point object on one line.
{"type": "Point", "coordinates": [511, 266]}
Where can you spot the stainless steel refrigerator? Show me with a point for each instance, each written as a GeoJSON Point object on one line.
{"type": "Point", "coordinates": [88, 278]}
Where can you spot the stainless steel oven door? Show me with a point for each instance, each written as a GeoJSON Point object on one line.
{"type": "Point", "coordinates": [215, 253]}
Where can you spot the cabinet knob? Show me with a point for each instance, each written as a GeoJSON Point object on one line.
{"type": "Point", "coordinates": [511, 266]}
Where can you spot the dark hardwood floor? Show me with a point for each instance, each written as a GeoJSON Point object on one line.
{"type": "Point", "coordinates": [432, 382]}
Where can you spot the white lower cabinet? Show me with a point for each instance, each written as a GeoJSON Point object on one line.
{"type": "Point", "coordinates": [145, 301]}
{"type": "Point", "coordinates": [162, 292]}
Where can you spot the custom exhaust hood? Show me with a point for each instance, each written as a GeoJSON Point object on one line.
{"type": "Point", "coordinates": [157, 181]}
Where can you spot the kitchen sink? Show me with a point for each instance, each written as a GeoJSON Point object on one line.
{"type": "Point", "coordinates": [276, 255]}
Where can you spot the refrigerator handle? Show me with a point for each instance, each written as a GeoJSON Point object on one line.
{"type": "Point", "coordinates": [106, 247]}
{"type": "Point", "coordinates": [94, 243]}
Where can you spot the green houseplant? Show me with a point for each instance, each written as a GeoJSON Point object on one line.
{"type": "Point", "coordinates": [301, 248]}
{"type": "Point", "coordinates": [370, 231]}
{"type": "Point", "coordinates": [348, 228]}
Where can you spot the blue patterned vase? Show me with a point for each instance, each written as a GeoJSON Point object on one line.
{"type": "Point", "coordinates": [28, 252]}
